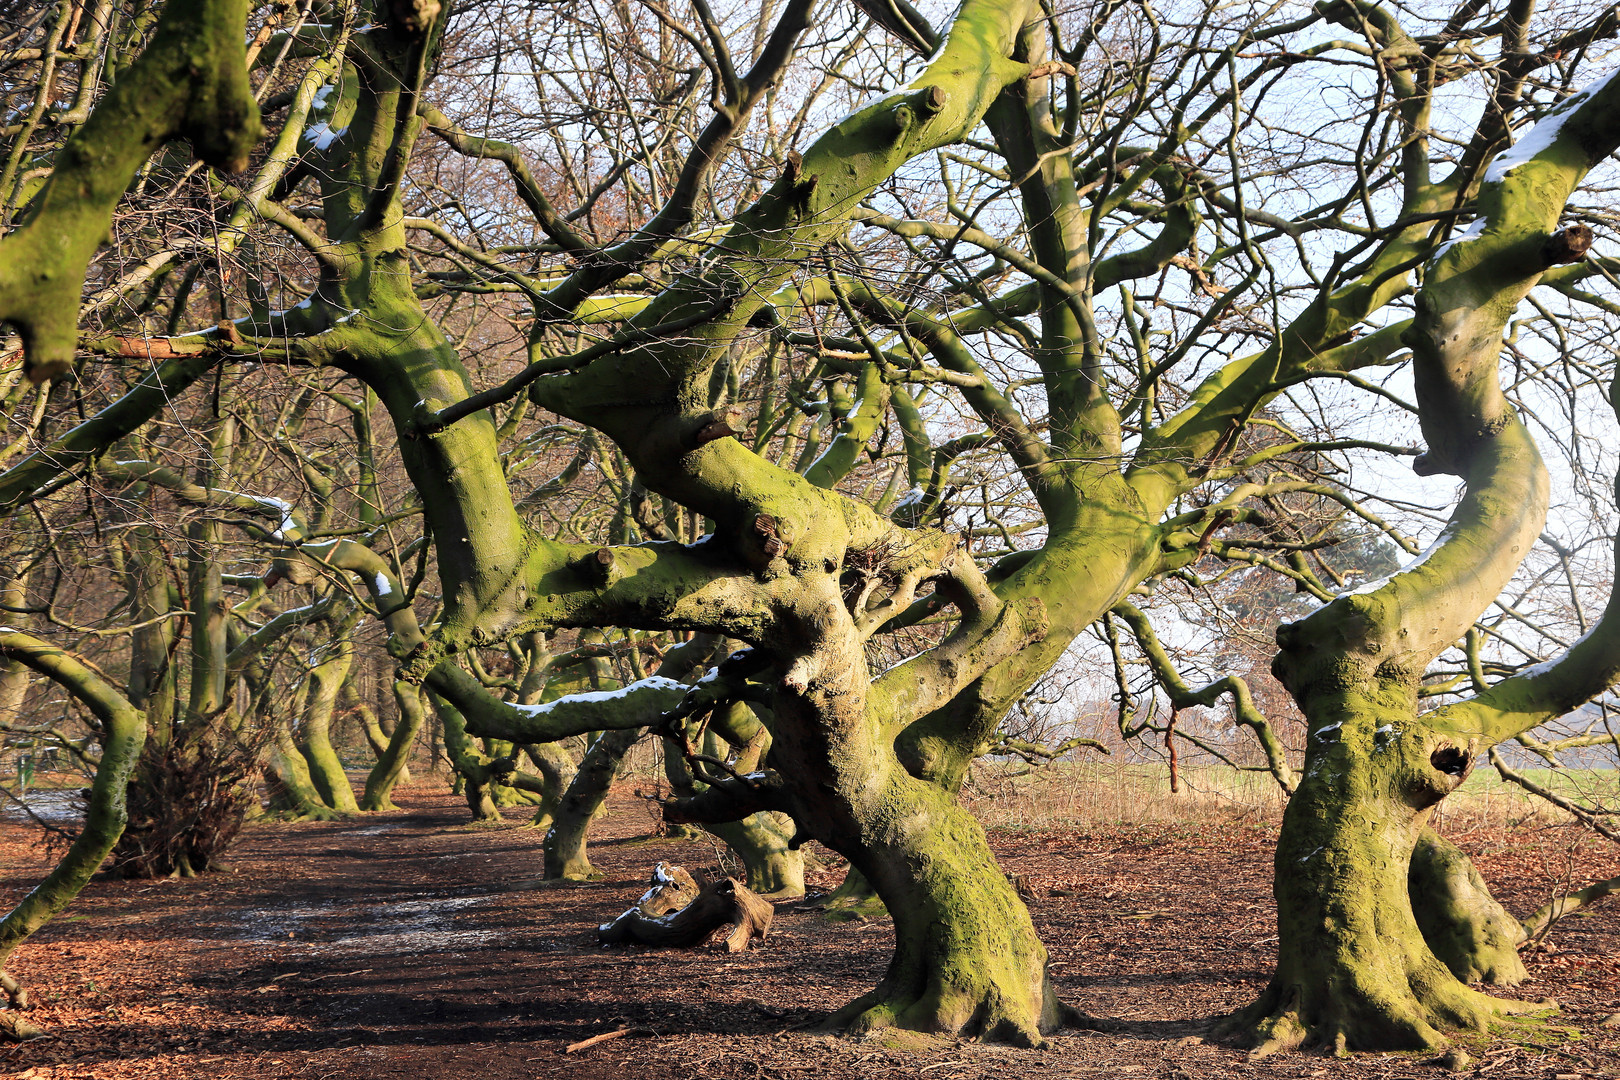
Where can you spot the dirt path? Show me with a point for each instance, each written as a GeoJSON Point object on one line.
{"type": "Point", "coordinates": [413, 945]}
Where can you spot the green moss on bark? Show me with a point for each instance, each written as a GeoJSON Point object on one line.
{"type": "Point", "coordinates": [967, 959]}
{"type": "Point", "coordinates": [1461, 921]}
{"type": "Point", "coordinates": [190, 82]}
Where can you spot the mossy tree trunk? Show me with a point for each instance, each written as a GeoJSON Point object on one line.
{"type": "Point", "coordinates": [472, 768]}
{"type": "Point", "coordinates": [1353, 969]}
{"type": "Point", "coordinates": [326, 679]}
{"type": "Point", "coordinates": [393, 763]}
{"type": "Point", "coordinates": [967, 959]}
{"type": "Point", "coordinates": [14, 674]}
{"type": "Point", "coordinates": [1461, 921]}
{"type": "Point", "coordinates": [564, 846]}
{"type": "Point", "coordinates": [122, 734]}
{"type": "Point", "coordinates": [556, 768]}
{"type": "Point", "coordinates": [294, 794]}
{"type": "Point", "coordinates": [151, 671]}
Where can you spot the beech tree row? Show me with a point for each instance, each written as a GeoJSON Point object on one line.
{"type": "Point", "coordinates": [873, 418]}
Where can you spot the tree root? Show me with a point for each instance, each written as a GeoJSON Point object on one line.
{"type": "Point", "coordinates": [1276, 1023]}
{"type": "Point", "coordinates": [981, 1012]}
{"type": "Point", "coordinates": [1462, 923]}
{"type": "Point", "coordinates": [307, 813]}
{"type": "Point", "coordinates": [870, 1016]}
{"type": "Point", "coordinates": [853, 899]}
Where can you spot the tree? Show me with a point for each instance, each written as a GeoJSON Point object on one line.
{"type": "Point", "coordinates": [190, 82]}
{"type": "Point", "coordinates": [1052, 427]}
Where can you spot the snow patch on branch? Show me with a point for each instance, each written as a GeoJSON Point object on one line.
{"type": "Point", "coordinates": [1536, 670]}
{"type": "Point", "coordinates": [914, 497]}
{"type": "Point", "coordinates": [1475, 231]}
{"type": "Point", "coordinates": [1544, 133]}
{"type": "Point", "coordinates": [1378, 583]}
{"type": "Point", "coordinates": [323, 135]}
{"type": "Point", "coordinates": [651, 684]}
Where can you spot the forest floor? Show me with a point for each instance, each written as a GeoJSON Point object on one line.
{"type": "Point", "coordinates": [414, 945]}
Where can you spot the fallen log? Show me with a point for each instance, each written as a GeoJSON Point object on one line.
{"type": "Point", "coordinates": [715, 905]}
{"type": "Point", "coordinates": [672, 889]}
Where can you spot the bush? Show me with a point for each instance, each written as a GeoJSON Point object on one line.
{"type": "Point", "coordinates": [187, 803]}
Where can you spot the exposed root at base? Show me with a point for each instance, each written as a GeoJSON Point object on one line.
{"type": "Point", "coordinates": [291, 816]}
{"type": "Point", "coordinates": [873, 1014]}
{"type": "Point", "coordinates": [1084, 1021]}
{"type": "Point", "coordinates": [1283, 1028]}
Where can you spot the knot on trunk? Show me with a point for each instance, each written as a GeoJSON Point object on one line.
{"type": "Point", "coordinates": [796, 680]}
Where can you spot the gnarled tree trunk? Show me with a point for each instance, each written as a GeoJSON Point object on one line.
{"type": "Point", "coordinates": [566, 858]}
{"type": "Point", "coordinates": [315, 742]}
{"type": "Point", "coordinates": [1462, 922]}
{"type": "Point", "coordinates": [1353, 968]}
{"type": "Point", "coordinates": [555, 767]}
{"type": "Point", "coordinates": [394, 754]}
{"type": "Point", "coordinates": [967, 958]}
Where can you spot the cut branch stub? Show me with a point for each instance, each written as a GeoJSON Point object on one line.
{"type": "Point", "coordinates": [720, 424]}
{"type": "Point", "coordinates": [718, 904]}
{"type": "Point", "coordinates": [597, 567]}
{"type": "Point", "coordinates": [771, 543]}
{"type": "Point", "coordinates": [1567, 245]}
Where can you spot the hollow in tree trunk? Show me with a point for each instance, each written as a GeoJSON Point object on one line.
{"type": "Point", "coordinates": [1372, 775]}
